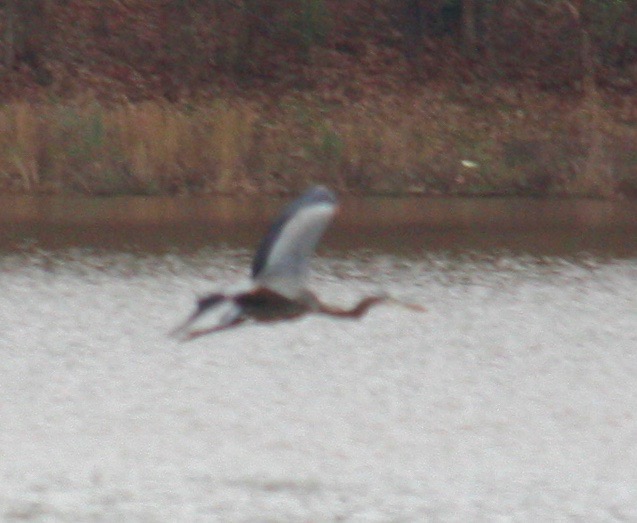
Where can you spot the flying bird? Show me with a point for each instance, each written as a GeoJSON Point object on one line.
{"type": "Point", "coordinates": [277, 289]}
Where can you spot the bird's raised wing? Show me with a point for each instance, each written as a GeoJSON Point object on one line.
{"type": "Point", "coordinates": [282, 260]}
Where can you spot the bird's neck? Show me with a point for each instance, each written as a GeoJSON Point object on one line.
{"type": "Point", "coordinates": [355, 312]}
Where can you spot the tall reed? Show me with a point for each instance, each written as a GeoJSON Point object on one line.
{"type": "Point", "coordinates": [229, 145]}
{"type": "Point", "coordinates": [148, 147]}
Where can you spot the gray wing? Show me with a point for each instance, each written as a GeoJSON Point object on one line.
{"type": "Point", "coordinates": [281, 262]}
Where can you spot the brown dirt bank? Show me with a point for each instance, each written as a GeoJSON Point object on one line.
{"type": "Point", "coordinates": [449, 97]}
{"type": "Point", "coordinates": [472, 142]}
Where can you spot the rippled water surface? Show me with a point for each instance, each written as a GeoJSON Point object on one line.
{"type": "Point", "coordinates": [513, 397]}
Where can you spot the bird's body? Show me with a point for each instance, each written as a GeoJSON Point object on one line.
{"type": "Point", "coordinates": [277, 290]}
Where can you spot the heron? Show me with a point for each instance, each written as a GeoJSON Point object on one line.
{"type": "Point", "coordinates": [277, 288]}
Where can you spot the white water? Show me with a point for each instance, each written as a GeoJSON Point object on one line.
{"type": "Point", "coordinates": [513, 398]}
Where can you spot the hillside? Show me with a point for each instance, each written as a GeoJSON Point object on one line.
{"type": "Point", "coordinates": [439, 97]}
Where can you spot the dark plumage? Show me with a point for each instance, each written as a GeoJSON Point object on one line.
{"type": "Point", "coordinates": [279, 273]}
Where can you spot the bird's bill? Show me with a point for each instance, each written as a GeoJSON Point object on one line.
{"type": "Point", "coordinates": [407, 305]}
{"type": "Point", "coordinates": [388, 298]}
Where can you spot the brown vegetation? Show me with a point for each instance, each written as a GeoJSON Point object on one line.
{"type": "Point", "coordinates": [438, 97]}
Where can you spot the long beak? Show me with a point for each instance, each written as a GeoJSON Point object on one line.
{"type": "Point", "coordinates": [388, 298]}
{"type": "Point", "coordinates": [411, 306]}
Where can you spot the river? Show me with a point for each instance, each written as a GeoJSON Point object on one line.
{"type": "Point", "coordinates": [512, 398]}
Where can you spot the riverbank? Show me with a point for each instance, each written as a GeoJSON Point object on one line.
{"type": "Point", "coordinates": [108, 98]}
{"type": "Point", "coordinates": [506, 142]}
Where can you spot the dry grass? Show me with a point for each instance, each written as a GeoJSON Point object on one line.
{"type": "Point", "coordinates": [143, 148]}
{"type": "Point", "coordinates": [445, 147]}
{"type": "Point", "coordinates": [19, 130]}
